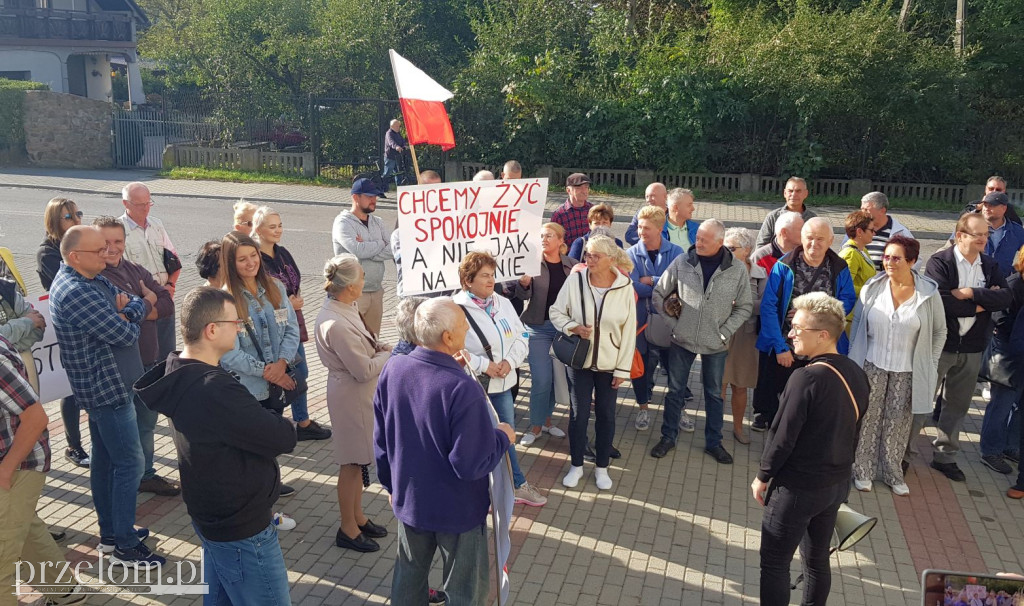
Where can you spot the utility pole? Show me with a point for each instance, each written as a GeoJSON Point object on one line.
{"type": "Point", "coordinates": [959, 41]}
{"type": "Point", "coordinates": [904, 14]}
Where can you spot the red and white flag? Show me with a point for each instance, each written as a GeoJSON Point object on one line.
{"type": "Point", "coordinates": [422, 99]}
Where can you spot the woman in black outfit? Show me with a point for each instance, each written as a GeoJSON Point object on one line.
{"type": "Point", "coordinates": [61, 214]}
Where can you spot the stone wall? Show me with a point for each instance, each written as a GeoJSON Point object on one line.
{"type": "Point", "coordinates": [67, 131]}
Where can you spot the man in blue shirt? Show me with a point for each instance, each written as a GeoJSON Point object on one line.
{"type": "Point", "coordinates": [97, 327]}
{"type": "Point", "coordinates": [1004, 237]}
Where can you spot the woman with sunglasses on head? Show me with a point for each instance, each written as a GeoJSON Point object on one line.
{"type": "Point", "coordinates": [267, 229]}
{"type": "Point", "coordinates": [268, 347]}
{"type": "Point", "coordinates": [61, 214]}
{"type": "Point", "coordinates": [855, 251]}
{"type": "Point", "coordinates": [244, 212]}
{"type": "Point", "coordinates": [899, 329]}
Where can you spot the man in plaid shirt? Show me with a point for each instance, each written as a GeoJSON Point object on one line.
{"type": "Point", "coordinates": [97, 328]}
{"type": "Point", "coordinates": [24, 461]}
{"type": "Point", "coordinates": [573, 214]}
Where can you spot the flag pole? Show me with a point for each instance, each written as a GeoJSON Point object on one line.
{"type": "Point", "coordinates": [415, 162]}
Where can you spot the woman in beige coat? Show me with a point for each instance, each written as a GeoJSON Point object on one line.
{"type": "Point", "coordinates": [354, 359]}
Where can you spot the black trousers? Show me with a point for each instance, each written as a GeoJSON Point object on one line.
{"type": "Point", "coordinates": [771, 380]}
{"type": "Point", "coordinates": [804, 518]}
{"type": "Point", "coordinates": [588, 387]}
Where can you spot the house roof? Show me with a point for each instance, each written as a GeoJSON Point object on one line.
{"type": "Point", "coordinates": [129, 6]}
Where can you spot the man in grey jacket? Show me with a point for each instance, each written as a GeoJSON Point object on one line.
{"type": "Point", "coordinates": [358, 232]}
{"type": "Point", "coordinates": [707, 292]}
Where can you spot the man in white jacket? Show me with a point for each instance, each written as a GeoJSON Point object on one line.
{"type": "Point", "coordinates": [358, 232]}
{"type": "Point", "coordinates": [885, 225]}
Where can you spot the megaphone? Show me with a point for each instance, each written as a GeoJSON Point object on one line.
{"type": "Point", "coordinates": [851, 527]}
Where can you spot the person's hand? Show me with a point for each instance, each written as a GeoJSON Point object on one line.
{"type": "Point", "coordinates": [400, 148]}
{"type": "Point", "coordinates": [617, 381]}
{"type": "Point", "coordinates": [286, 381]}
{"type": "Point", "coordinates": [493, 370]}
{"type": "Point", "coordinates": [274, 371]}
{"type": "Point", "coordinates": [504, 367]}
{"type": "Point", "coordinates": [511, 433]}
{"type": "Point", "coordinates": [37, 318]}
{"type": "Point", "coordinates": [359, 238]}
{"type": "Point", "coordinates": [296, 301]}
{"type": "Point", "coordinates": [147, 294]}
{"type": "Point", "coordinates": [964, 294]}
{"type": "Point", "coordinates": [170, 289]}
{"type": "Point", "coordinates": [673, 307]}
{"type": "Point", "coordinates": [525, 281]}
{"type": "Point", "coordinates": [978, 309]}
{"type": "Point", "coordinates": [647, 280]}
{"type": "Point", "coordinates": [759, 490]}
{"type": "Point", "coordinates": [385, 347]}
{"type": "Point", "coordinates": [785, 359]}
{"type": "Point", "coordinates": [582, 331]}
{"type": "Point", "coordinates": [120, 300]}
{"type": "Point", "coordinates": [6, 477]}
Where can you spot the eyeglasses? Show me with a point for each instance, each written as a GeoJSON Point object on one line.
{"type": "Point", "coordinates": [98, 251]}
{"type": "Point", "coordinates": [548, 236]}
{"type": "Point", "coordinates": [142, 204]}
{"type": "Point", "coordinates": [239, 323]}
{"type": "Point", "coordinates": [973, 235]}
{"type": "Point", "coordinates": [71, 216]}
{"type": "Point", "coordinates": [245, 223]}
{"type": "Point", "coordinates": [892, 259]}
{"type": "Point", "coordinates": [801, 329]}
{"type": "Point", "coordinates": [733, 248]}
{"type": "Point", "coordinates": [593, 256]}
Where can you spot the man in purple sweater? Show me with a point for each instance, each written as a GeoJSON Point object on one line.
{"type": "Point", "coordinates": [435, 444]}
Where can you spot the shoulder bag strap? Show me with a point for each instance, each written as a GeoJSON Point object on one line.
{"type": "Point", "coordinates": [255, 341]}
{"type": "Point", "coordinates": [856, 409]}
{"type": "Point", "coordinates": [583, 294]}
{"type": "Point", "coordinates": [479, 333]}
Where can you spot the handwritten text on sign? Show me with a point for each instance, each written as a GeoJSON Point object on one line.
{"type": "Point", "coordinates": [439, 223]}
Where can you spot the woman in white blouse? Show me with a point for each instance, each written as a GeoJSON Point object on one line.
{"type": "Point", "coordinates": [899, 328]}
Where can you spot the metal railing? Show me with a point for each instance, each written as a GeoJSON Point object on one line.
{"type": "Point", "coordinates": [50, 24]}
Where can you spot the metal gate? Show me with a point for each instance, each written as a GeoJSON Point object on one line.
{"type": "Point", "coordinates": [140, 136]}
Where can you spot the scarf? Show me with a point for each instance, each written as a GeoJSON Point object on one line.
{"type": "Point", "coordinates": [484, 304]}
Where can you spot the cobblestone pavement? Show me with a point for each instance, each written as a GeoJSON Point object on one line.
{"type": "Point", "coordinates": [679, 530]}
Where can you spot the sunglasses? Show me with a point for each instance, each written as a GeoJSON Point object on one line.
{"type": "Point", "coordinates": [245, 223]}
{"type": "Point", "coordinates": [70, 216]}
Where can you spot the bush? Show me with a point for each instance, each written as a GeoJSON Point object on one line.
{"type": "Point", "coordinates": [12, 129]}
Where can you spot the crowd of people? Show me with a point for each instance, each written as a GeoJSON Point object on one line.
{"type": "Point", "coordinates": [861, 347]}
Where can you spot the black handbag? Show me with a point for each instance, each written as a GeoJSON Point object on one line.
{"type": "Point", "coordinates": [279, 397]}
{"type": "Point", "coordinates": [484, 379]}
{"type": "Point", "coordinates": [171, 261]}
{"type": "Point", "coordinates": [572, 350]}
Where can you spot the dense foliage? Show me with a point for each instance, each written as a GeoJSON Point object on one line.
{"type": "Point", "coordinates": [12, 94]}
{"type": "Point", "coordinates": [814, 87]}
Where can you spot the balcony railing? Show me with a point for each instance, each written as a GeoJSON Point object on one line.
{"type": "Point", "coordinates": [49, 24]}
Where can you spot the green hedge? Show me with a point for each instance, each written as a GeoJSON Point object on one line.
{"type": "Point", "coordinates": [12, 130]}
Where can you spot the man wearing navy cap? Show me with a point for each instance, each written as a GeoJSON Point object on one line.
{"type": "Point", "coordinates": [573, 214]}
{"type": "Point", "coordinates": [1004, 237]}
{"type": "Point", "coordinates": [358, 232]}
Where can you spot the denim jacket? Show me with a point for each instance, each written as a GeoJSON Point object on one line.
{"type": "Point", "coordinates": [277, 339]}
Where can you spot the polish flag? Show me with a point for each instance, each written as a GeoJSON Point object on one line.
{"type": "Point", "coordinates": [422, 99]}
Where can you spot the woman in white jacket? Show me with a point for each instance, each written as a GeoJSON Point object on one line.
{"type": "Point", "coordinates": [603, 295]}
{"type": "Point", "coordinates": [899, 329]}
{"type": "Point", "coordinates": [496, 344]}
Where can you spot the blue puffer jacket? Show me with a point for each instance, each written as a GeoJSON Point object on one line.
{"type": "Point", "coordinates": [642, 267]}
{"type": "Point", "coordinates": [779, 292]}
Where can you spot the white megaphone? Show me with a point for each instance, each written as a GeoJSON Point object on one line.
{"type": "Point", "coordinates": [851, 527]}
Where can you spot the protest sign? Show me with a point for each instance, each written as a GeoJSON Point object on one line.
{"type": "Point", "coordinates": [53, 381]}
{"type": "Point", "coordinates": [438, 224]}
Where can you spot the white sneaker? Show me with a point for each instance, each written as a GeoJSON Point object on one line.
{"type": "Point", "coordinates": [528, 495]}
{"type": "Point", "coordinates": [986, 393]}
{"type": "Point", "coordinates": [900, 490]}
{"type": "Point", "coordinates": [553, 431]}
{"type": "Point", "coordinates": [643, 420]}
{"type": "Point", "coordinates": [862, 485]}
{"type": "Point", "coordinates": [572, 478]}
{"type": "Point", "coordinates": [528, 439]}
{"type": "Point", "coordinates": [686, 422]}
{"type": "Point", "coordinates": [601, 476]}
{"type": "Point", "coordinates": [283, 521]}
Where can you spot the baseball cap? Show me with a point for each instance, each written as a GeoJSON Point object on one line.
{"type": "Point", "coordinates": [366, 187]}
{"type": "Point", "coordinates": [577, 179]}
{"type": "Point", "coordinates": [996, 198]}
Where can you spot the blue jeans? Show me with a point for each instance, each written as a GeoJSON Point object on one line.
{"type": "Point", "coordinates": [1000, 429]}
{"type": "Point", "coordinates": [115, 470]}
{"type": "Point", "coordinates": [247, 571]}
{"type": "Point", "coordinates": [643, 386]}
{"type": "Point", "coordinates": [146, 420]}
{"type": "Point", "coordinates": [712, 367]}
{"type": "Point", "coordinates": [300, 411]}
{"type": "Point", "coordinates": [72, 422]}
{"type": "Point", "coordinates": [542, 386]}
{"type": "Point", "coordinates": [505, 407]}
{"type": "Point", "coordinates": [166, 337]}
{"type": "Point", "coordinates": [465, 569]}
{"type": "Point", "coordinates": [390, 168]}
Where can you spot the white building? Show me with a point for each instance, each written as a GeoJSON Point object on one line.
{"type": "Point", "coordinates": [70, 44]}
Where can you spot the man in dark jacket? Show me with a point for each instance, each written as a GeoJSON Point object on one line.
{"type": "Point", "coordinates": [809, 452]}
{"type": "Point", "coordinates": [972, 287]}
{"type": "Point", "coordinates": [1004, 236]}
{"type": "Point", "coordinates": [226, 445]}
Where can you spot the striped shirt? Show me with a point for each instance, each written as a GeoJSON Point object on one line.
{"type": "Point", "coordinates": [877, 245]}
{"type": "Point", "coordinates": [15, 397]}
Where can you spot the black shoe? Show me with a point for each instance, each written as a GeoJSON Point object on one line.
{"type": "Point", "coordinates": [615, 454]}
{"type": "Point", "coordinates": [588, 454]}
{"type": "Point", "coordinates": [77, 456]}
{"type": "Point", "coordinates": [137, 557]}
{"type": "Point", "coordinates": [1012, 456]}
{"type": "Point", "coordinates": [719, 454]}
{"type": "Point", "coordinates": [905, 465]}
{"type": "Point", "coordinates": [286, 491]}
{"type": "Point", "coordinates": [950, 470]}
{"type": "Point", "coordinates": [759, 424]}
{"type": "Point", "coordinates": [313, 431]}
{"type": "Point", "coordinates": [662, 447]}
{"type": "Point", "coordinates": [58, 536]}
{"type": "Point", "coordinates": [160, 487]}
{"type": "Point", "coordinates": [436, 597]}
{"type": "Point", "coordinates": [996, 463]}
{"type": "Point", "coordinates": [361, 543]}
{"type": "Point", "coordinates": [373, 531]}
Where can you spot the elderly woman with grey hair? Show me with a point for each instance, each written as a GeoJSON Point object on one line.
{"type": "Point", "coordinates": [741, 361]}
{"type": "Point", "coordinates": [354, 359]}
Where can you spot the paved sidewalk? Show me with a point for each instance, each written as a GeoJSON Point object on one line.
{"type": "Point", "coordinates": [110, 182]}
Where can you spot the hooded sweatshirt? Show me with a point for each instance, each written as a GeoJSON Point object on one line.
{"type": "Point", "coordinates": [226, 445]}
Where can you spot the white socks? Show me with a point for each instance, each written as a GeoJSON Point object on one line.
{"type": "Point", "coordinates": [601, 476]}
{"type": "Point", "coordinates": [572, 478]}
